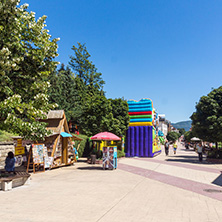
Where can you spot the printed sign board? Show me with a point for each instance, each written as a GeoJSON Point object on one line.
{"type": "Point", "coordinates": [19, 149]}
{"type": "Point", "coordinates": [40, 155]}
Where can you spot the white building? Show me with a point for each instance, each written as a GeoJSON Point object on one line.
{"type": "Point", "coordinates": [163, 125]}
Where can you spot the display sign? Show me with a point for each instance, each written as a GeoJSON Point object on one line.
{"type": "Point", "coordinates": [40, 155]}
{"type": "Point", "coordinates": [109, 157]}
{"type": "Point", "coordinates": [19, 149]}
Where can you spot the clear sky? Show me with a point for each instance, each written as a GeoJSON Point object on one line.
{"type": "Point", "coordinates": [167, 50]}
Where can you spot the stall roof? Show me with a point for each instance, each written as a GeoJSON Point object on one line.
{"type": "Point", "coordinates": [64, 134]}
{"type": "Point", "coordinates": [55, 114]}
{"type": "Point", "coordinates": [76, 137]}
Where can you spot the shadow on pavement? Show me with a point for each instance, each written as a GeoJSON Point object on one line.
{"type": "Point", "coordinates": [82, 160]}
{"type": "Point", "coordinates": [190, 160]}
{"type": "Point", "coordinates": [90, 168]}
{"type": "Point", "coordinates": [185, 156]}
{"type": "Point", "coordinates": [218, 180]}
{"type": "Point", "coordinates": [191, 150]}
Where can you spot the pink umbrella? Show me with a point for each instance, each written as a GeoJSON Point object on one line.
{"type": "Point", "coordinates": [105, 136]}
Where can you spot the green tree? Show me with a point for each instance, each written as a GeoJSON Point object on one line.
{"type": "Point", "coordinates": [85, 69]}
{"type": "Point", "coordinates": [207, 119]}
{"type": "Point", "coordinates": [188, 135]}
{"type": "Point", "coordinates": [93, 112]}
{"type": "Point", "coordinates": [27, 57]}
{"type": "Point", "coordinates": [120, 113]}
{"type": "Point", "coordinates": [182, 131]}
{"type": "Point", "coordinates": [96, 115]}
{"type": "Point", "coordinates": [63, 90]}
{"type": "Point", "coordinates": [172, 136]}
{"type": "Point", "coordinates": [102, 114]}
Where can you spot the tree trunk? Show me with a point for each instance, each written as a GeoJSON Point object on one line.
{"type": "Point", "coordinates": [217, 145]}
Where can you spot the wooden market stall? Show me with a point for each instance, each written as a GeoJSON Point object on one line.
{"type": "Point", "coordinates": [57, 148]}
{"type": "Point", "coordinates": [59, 143]}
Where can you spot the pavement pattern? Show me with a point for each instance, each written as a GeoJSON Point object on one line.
{"type": "Point", "coordinates": [165, 188]}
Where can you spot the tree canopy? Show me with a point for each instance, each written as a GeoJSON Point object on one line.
{"type": "Point", "coordinates": [207, 119]}
{"type": "Point", "coordinates": [27, 57]}
{"type": "Point", "coordinates": [188, 135]}
{"type": "Point", "coordinates": [85, 69]}
{"type": "Point", "coordinates": [182, 131]}
{"type": "Point", "coordinates": [80, 93]}
{"type": "Point", "coordinates": [172, 136]}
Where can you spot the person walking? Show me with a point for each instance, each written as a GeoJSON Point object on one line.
{"type": "Point", "coordinates": [167, 144]}
{"type": "Point", "coordinates": [175, 147]}
{"type": "Point", "coordinates": [200, 151]}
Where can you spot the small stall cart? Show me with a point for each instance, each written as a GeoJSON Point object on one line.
{"type": "Point", "coordinates": [109, 158]}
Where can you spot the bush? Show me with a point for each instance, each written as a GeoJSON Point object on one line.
{"type": "Point", "coordinates": [215, 154]}
{"type": "Point", "coordinates": [120, 154]}
{"type": "Point", "coordinates": [5, 137]}
{"type": "Point", "coordinates": [84, 145]}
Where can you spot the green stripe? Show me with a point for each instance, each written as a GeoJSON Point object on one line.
{"type": "Point", "coordinates": [140, 116]}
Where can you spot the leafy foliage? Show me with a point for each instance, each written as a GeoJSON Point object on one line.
{"type": "Point", "coordinates": [120, 113]}
{"type": "Point", "coordinates": [207, 120]}
{"type": "Point", "coordinates": [182, 131]}
{"type": "Point", "coordinates": [5, 136]}
{"type": "Point", "coordinates": [84, 144]}
{"type": "Point", "coordinates": [172, 136]}
{"type": "Point", "coordinates": [101, 114]}
{"type": "Point", "coordinates": [85, 69]}
{"type": "Point", "coordinates": [120, 154]}
{"type": "Point", "coordinates": [93, 112]}
{"type": "Point", "coordinates": [62, 90]}
{"type": "Point", "coordinates": [27, 54]}
{"type": "Point", "coordinates": [188, 135]}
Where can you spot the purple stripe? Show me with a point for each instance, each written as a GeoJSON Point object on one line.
{"type": "Point", "coordinates": [185, 184]}
{"type": "Point", "coordinates": [205, 169]}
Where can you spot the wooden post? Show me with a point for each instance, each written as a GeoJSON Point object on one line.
{"type": "Point", "coordinates": [29, 159]}
{"type": "Point", "coordinates": [64, 150]}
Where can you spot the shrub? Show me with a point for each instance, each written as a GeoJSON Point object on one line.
{"type": "Point", "coordinates": [84, 145]}
{"type": "Point", "coordinates": [5, 137]}
{"type": "Point", "coordinates": [120, 153]}
{"type": "Point", "coordinates": [215, 154]}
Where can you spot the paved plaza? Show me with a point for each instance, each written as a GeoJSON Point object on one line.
{"type": "Point", "coordinates": [176, 188]}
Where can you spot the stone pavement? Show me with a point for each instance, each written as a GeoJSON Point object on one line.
{"type": "Point", "coordinates": [174, 188]}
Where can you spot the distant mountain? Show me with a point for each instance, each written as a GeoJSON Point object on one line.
{"type": "Point", "coordinates": [183, 124]}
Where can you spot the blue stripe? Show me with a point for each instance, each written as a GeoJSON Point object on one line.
{"type": "Point", "coordinates": [140, 110]}
{"type": "Point", "coordinates": [140, 106]}
{"type": "Point", "coordinates": [141, 120]}
{"type": "Point", "coordinates": [140, 102]}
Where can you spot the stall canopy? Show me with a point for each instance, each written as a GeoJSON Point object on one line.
{"type": "Point", "coordinates": [195, 139]}
{"type": "Point", "coordinates": [64, 134]}
{"type": "Point", "coordinates": [105, 136]}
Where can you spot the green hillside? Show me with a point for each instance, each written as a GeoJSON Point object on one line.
{"type": "Point", "coordinates": [183, 124]}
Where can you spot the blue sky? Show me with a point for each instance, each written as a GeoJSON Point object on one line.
{"type": "Point", "coordinates": [168, 51]}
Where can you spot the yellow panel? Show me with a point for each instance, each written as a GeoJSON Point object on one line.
{"type": "Point", "coordinates": [141, 124]}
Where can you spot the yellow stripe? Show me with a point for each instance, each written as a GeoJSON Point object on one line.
{"type": "Point", "coordinates": [141, 124]}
